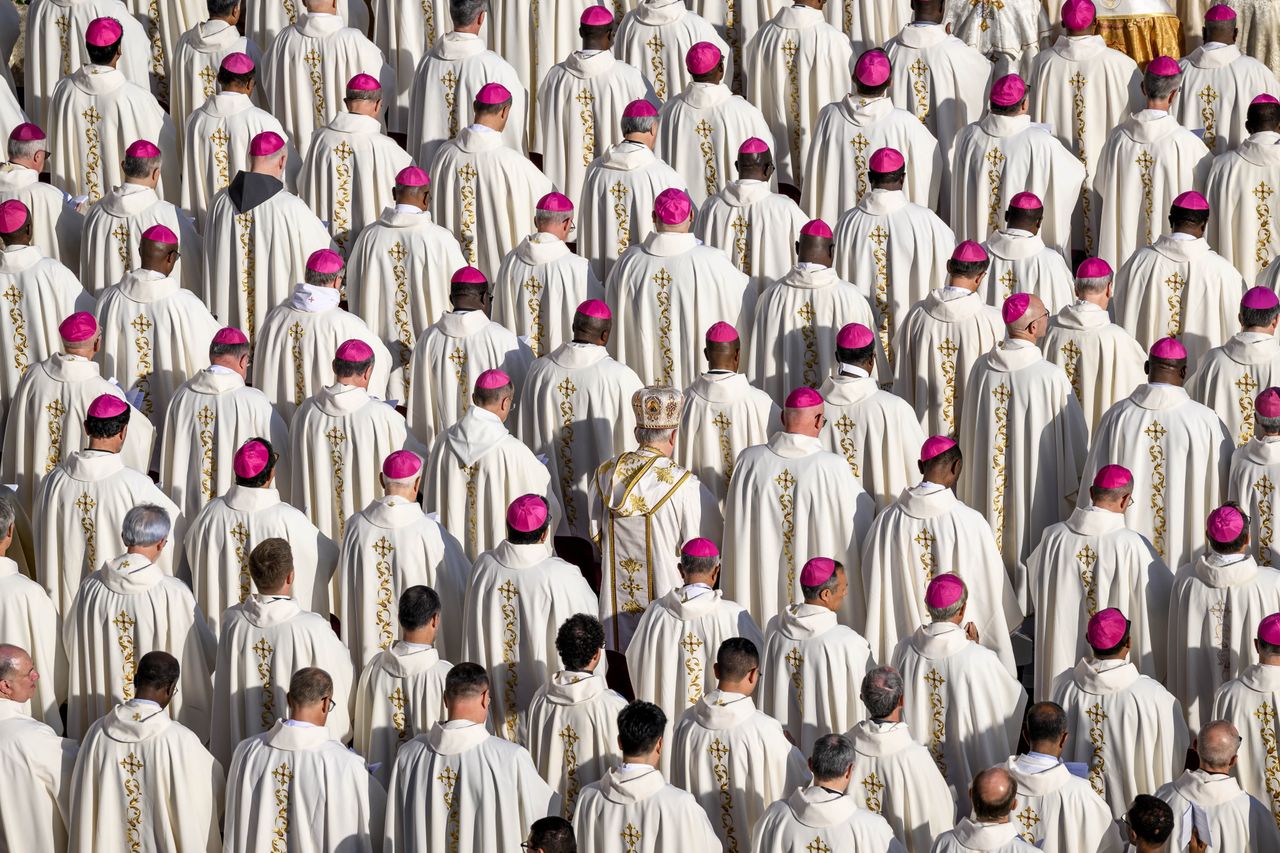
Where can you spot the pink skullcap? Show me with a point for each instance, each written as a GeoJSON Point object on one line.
{"type": "Point", "coordinates": [1220, 12]}
{"type": "Point", "coordinates": [527, 513]}
{"type": "Point", "coordinates": [700, 548]}
{"type": "Point", "coordinates": [1026, 201]}
{"type": "Point", "coordinates": [412, 176]}
{"type": "Point", "coordinates": [468, 275]}
{"type": "Point", "coordinates": [1163, 66]}
{"type": "Point", "coordinates": [1106, 629]}
{"type": "Point", "coordinates": [753, 145]}
{"type": "Point", "coordinates": [1093, 268]}
{"type": "Point", "coordinates": [1269, 630]}
{"type": "Point", "coordinates": [27, 132]}
{"type": "Point", "coordinates": [969, 252]}
{"type": "Point", "coordinates": [596, 16]}
{"type": "Point", "coordinates": [230, 336]}
{"type": "Point", "coordinates": [1268, 403]}
{"type": "Point", "coordinates": [80, 327]}
{"type": "Point", "coordinates": [1078, 14]}
{"type": "Point", "coordinates": [1014, 307]}
{"type": "Point", "coordinates": [325, 262]}
{"type": "Point", "coordinates": [639, 109]}
{"type": "Point", "coordinates": [1168, 348]}
{"type": "Point", "coordinates": [107, 406]}
{"type": "Point", "coordinates": [493, 93]}
{"type": "Point", "coordinates": [1112, 477]}
{"type": "Point", "coordinates": [943, 591]}
{"type": "Point", "coordinates": [1008, 90]}
{"type": "Point", "coordinates": [160, 234]}
{"type": "Point", "coordinates": [722, 333]}
{"type": "Point", "coordinates": [854, 336]}
{"type": "Point", "coordinates": [702, 57]}
{"type": "Point", "coordinates": [142, 149]}
{"type": "Point", "coordinates": [817, 571]}
{"type": "Point", "coordinates": [1259, 297]}
{"type": "Point", "coordinates": [1225, 524]}
{"type": "Point", "coordinates": [1264, 98]}
{"type": "Point", "coordinates": [672, 206]}
{"type": "Point", "coordinates": [265, 144]}
{"type": "Point", "coordinates": [816, 228]}
{"type": "Point", "coordinates": [1191, 200]}
{"type": "Point", "coordinates": [237, 63]}
{"type": "Point", "coordinates": [935, 446]}
{"type": "Point", "coordinates": [872, 68]}
{"type": "Point", "coordinates": [555, 203]}
{"type": "Point", "coordinates": [354, 351]}
{"type": "Point", "coordinates": [492, 378]}
{"type": "Point", "coordinates": [886, 160]}
{"type": "Point", "coordinates": [803, 397]}
{"type": "Point", "coordinates": [103, 32]}
{"type": "Point", "coordinates": [364, 83]}
{"type": "Point", "coordinates": [13, 215]}
{"type": "Point", "coordinates": [595, 308]}
{"type": "Point", "coordinates": [401, 465]}
{"type": "Point", "coordinates": [251, 459]}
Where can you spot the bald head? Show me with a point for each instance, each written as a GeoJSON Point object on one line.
{"type": "Point", "coordinates": [807, 421]}
{"type": "Point", "coordinates": [723, 355]}
{"type": "Point", "coordinates": [591, 330]}
{"type": "Point", "coordinates": [18, 674]}
{"type": "Point", "coordinates": [994, 794]}
{"type": "Point", "coordinates": [812, 249]}
{"type": "Point", "coordinates": [755, 167]}
{"type": "Point", "coordinates": [927, 10]}
{"type": "Point", "coordinates": [1217, 745]}
{"type": "Point", "coordinates": [158, 256]}
{"type": "Point", "coordinates": [1033, 324]}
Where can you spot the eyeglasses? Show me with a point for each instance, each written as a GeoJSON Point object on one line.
{"type": "Point", "coordinates": [329, 704]}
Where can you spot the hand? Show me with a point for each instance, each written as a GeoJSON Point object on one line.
{"type": "Point", "coordinates": [971, 631]}
{"type": "Point", "coordinates": [1196, 845]}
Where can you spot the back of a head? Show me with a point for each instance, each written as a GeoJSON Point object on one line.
{"type": "Point", "coordinates": [943, 462]}
{"type": "Point", "coordinates": [640, 725]}
{"type": "Point", "coordinates": [1263, 116]}
{"type": "Point", "coordinates": [552, 835]}
{"type": "Point", "coordinates": [418, 606]}
{"type": "Point", "coordinates": [881, 692]}
{"type": "Point", "coordinates": [578, 640]}
{"type": "Point", "coordinates": [993, 794]}
{"type": "Point", "coordinates": [1151, 819]}
{"type": "Point", "coordinates": [736, 657]}
{"type": "Point", "coordinates": [465, 682]}
{"type": "Point", "coordinates": [156, 671]}
{"type": "Point", "coordinates": [8, 514]}
{"type": "Point", "coordinates": [1217, 743]}
{"type": "Point", "coordinates": [1158, 87]}
{"type": "Point", "coordinates": [308, 686]}
{"type": "Point", "coordinates": [270, 563]}
{"type": "Point", "coordinates": [463, 13]}
{"type": "Point", "coordinates": [103, 428]}
{"type": "Point", "coordinates": [221, 8]}
{"type": "Point", "coordinates": [1045, 722]}
{"type": "Point", "coordinates": [831, 757]}
{"type": "Point", "coordinates": [144, 526]}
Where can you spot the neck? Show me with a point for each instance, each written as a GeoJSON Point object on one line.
{"type": "Point", "coordinates": [497, 412]}
{"type": "Point", "coordinates": [717, 364]}
{"type": "Point", "coordinates": [14, 241]}
{"type": "Point", "coordinates": [229, 364]}
{"type": "Point", "coordinates": [811, 258]}
{"type": "Point", "coordinates": [1121, 655]}
{"type": "Point", "coordinates": [650, 759]}
{"type": "Point", "coordinates": [1162, 104]}
{"type": "Point", "coordinates": [752, 175]}
{"type": "Point", "coordinates": [363, 108]}
{"type": "Point", "coordinates": [895, 716]}
{"type": "Point", "coordinates": [467, 305]}
{"type": "Point", "coordinates": [969, 284]}
{"type": "Point", "coordinates": [1054, 749]}
{"type": "Point", "coordinates": [742, 687]}
{"type": "Point", "coordinates": [1099, 299]}
{"type": "Point", "coordinates": [1209, 768]}
{"type": "Point", "coordinates": [25, 161]}
{"type": "Point", "coordinates": [473, 28]}
{"type": "Point", "coordinates": [1165, 378]}
{"type": "Point", "coordinates": [841, 784]}
{"type": "Point", "coordinates": [494, 121]}
{"type": "Point", "coordinates": [595, 44]}
{"type": "Point", "coordinates": [313, 714]}
{"type": "Point", "coordinates": [361, 381]}
{"type": "Point", "coordinates": [587, 339]}
{"type": "Point", "coordinates": [285, 591]}
{"type": "Point", "coordinates": [106, 445]}
{"type": "Point", "coordinates": [160, 697]}
{"type": "Point", "coordinates": [407, 492]}
{"type": "Point", "coordinates": [472, 712]}
{"type": "Point", "coordinates": [425, 636]}
{"type": "Point", "coordinates": [1023, 335]}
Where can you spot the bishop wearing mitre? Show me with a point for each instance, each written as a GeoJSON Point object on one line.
{"type": "Point", "coordinates": [542, 282]}
{"type": "Point", "coordinates": [1169, 160]}
{"type": "Point", "coordinates": [875, 431]}
{"type": "Point", "coordinates": [350, 168]}
{"type": "Point", "coordinates": [1009, 34]}
{"type": "Point", "coordinates": [894, 251]}
{"type": "Point", "coordinates": [1244, 228]}
{"type": "Point", "coordinates": [1246, 701]}
{"type": "Point", "coordinates": [755, 226]}
{"type": "Point", "coordinates": [1228, 375]}
{"type": "Point", "coordinates": [575, 409]}
{"type": "Point", "coordinates": [795, 65]}
{"type": "Point", "coordinates": [263, 640]}
{"type": "Point", "coordinates": [56, 225]}
{"type": "Point", "coordinates": [619, 189]}
{"type": "Point", "coordinates": [942, 337]}
{"type": "Point", "coordinates": [199, 55]}
{"type": "Point", "coordinates": [1255, 471]}
{"type": "Point", "coordinates": [1021, 262]}
{"type": "Point", "coordinates": [257, 239]}
{"type": "Point", "coordinates": [223, 534]}
{"type": "Point", "coordinates": [703, 126]}
{"type": "Point", "coordinates": [850, 130]}
{"type": "Point", "coordinates": [656, 36]}
{"type": "Point", "coordinates": [390, 546]}
{"type": "Point", "coordinates": [30, 619]}
{"type": "Point", "coordinates": [128, 607]}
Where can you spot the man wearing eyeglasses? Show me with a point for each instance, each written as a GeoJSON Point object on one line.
{"type": "Point", "coordinates": [56, 224]}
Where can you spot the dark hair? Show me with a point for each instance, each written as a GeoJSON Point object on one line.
{"type": "Point", "coordinates": [270, 563]}
{"type": "Point", "coordinates": [343, 369]}
{"type": "Point", "coordinates": [257, 481]}
{"type": "Point", "coordinates": [227, 78]}
{"type": "Point", "coordinates": [945, 459]}
{"type": "Point", "coordinates": [1011, 109]}
{"type": "Point", "coordinates": [967, 269]}
{"type": "Point", "coordinates": [878, 178]}
{"type": "Point", "coordinates": [986, 811]}
{"type": "Point", "coordinates": [418, 606]}
{"type": "Point", "coordinates": [640, 724]}
{"type": "Point", "coordinates": [844, 355]}
{"type": "Point", "coordinates": [1151, 819]}
{"type": "Point", "coordinates": [219, 8]}
{"type": "Point", "coordinates": [464, 681]}
{"type": "Point", "coordinates": [736, 658]}
{"type": "Point", "coordinates": [1258, 316]}
{"type": "Point", "coordinates": [812, 592]}
{"type": "Point", "coordinates": [489, 396]}
{"type": "Point", "coordinates": [1263, 115]}
{"type": "Point", "coordinates": [521, 537]}
{"type": "Point", "coordinates": [156, 671]}
{"type": "Point", "coordinates": [1046, 721]}
{"type": "Point", "coordinates": [578, 640]}
{"type": "Point", "coordinates": [552, 835]}
{"type": "Point", "coordinates": [593, 326]}
{"type": "Point", "coordinates": [217, 350]}
{"type": "Point", "coordinates": [309, 685]}
{"type": "Point", "coordinates": [480, 109]}
{"type": "Point", "coordinates": [1183, 215]}
{"type": "Point", "coordinates": [698, 567]}
{"type": "Point", "coordinates": [107, 427]}
{"type": "Point", "coordinates": [103, 55]}
{"type": "Point", "coordinates": [831, 757]}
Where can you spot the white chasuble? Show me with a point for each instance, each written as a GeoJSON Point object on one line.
{"type": "Point", "coordinates": [633, 810]}
{"type": "Point", "coordinates": [1102, 360]}
{"type": "Point", "coordinates": [700, 131]}
{"type": "Point", "coordinates": [1008, 32]}
{"type": "Point", "coordinates": [257, 239]}
{"type": "Point", "coordinates": [263, 642]}
{"type": "Point", "coordinates": [675, 645]}
{"type": "Point", "coordinates": [894, 252]}
{"type": "Point", "coordinates": [875, 431]}
{"type": "Point", "coordinates": [572, 732]}
{"type": "Point", "coordinates": [1124, 725]}
{"type": "Point", "coordinates": [669, 291]}
{"type": "Point", "coordinates": [988, 837]}
{"type": "Point", "coordinates": [1022, 263]}
{"type": "Point", "coordinates": [655, 36]}
{"type": "Point", "coordinates": [755, 226]}
{"type": "Point", "coordinates": [155, 336]}
{"type": "Point", "coordinates": [1253, 481]}
{"type": "Point", "coordinates": [1179, 288]}
{"type": "Point", "coordinates": [448, 357]}
{"type": "Point", "coordinates": [400, 695]}
{"type": "Point", "coordinates": [112, 237]}
{"type": "Point", "coordinates": [122, 611]}
{"type": "Point", "coordinates": [576, 412]}
{"type": "Point", "coordinates": [79, 510]}
{"type": "Point", "coordinates": [789, 501]}
{"type": "Point", "coordinates": [1147, 161]}
{"type": "Point", "coordinates": [55, 222]}
{"type": "Point", "coordinates": [338, 442]}
{"type": "Point", "coordinates": [846, 134]}
{"type": "Point", "coordinates": [95, 114]}
{"type": "Point", "coordinates": [485, 193]}
{"type": "Point", "coordinates": [580, 104]}
{"type": "Point", "coordinates": [39, 766]}
{"type": "Point", "coordinates": [475, 470]}
{"type": "Point", "coordinates": [736, 761]}
{"type": "Point", "coordinates": [224, 533]}
{"type": "Point", "coordinates": [30, 622]}
{"type": "Point", "coordinates": [306, 69]}
{"type": "Point", "coordinates": [538, 289]}
{"type": "Point", "coordinates": [389, 546]}
{"type": "Point", "coordinates": [999, 156]}
{"type": "Point", "coordinates": [616, 207]}
{"type": "Point", "coordinates": [896, 778]}
{"type": "Point", "coordinates": [193, 74]}
{"type": "Point", "coordinates": [929, 530]}
{"type": "Point", "coordinates": [1229, 377]}
{"type": "Point", "coordinates": [941, 338]}
{"type": "Point", "coordinates": [1245, 225]}
{"type": "Point", "coordinates": [458, 782]}
{"type": "Point", "coordinates": [795, 65]}
{"type": "Point", "coordinates": [349, 173]}
{"type": "Point", "coordinates": [814, 816]}
{"type": "Point", "coordinates": [723, 414]}
{"type": "Point", "coordinates": [1217, 86]}
{"type": "Point", "coordinates": [1057, 811]}
{"type": "Point", "coordinates": [1249, 702]}
{"type": "Point", "coordinates": [404, 32]}
{"type": "Point", "coordinates": [296, 787]}
{"type": "Point", "coordinates": [1237, 821]}
{"type": "Point", "coordinates": [813, 668]}
{"type": "Point", "coordinates": [143, 778]}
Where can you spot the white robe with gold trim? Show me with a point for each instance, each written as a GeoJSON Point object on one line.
{"type": "Point", "coordinates": [193, 72]}
{"type": "Point", "coordinates": [400, 695]}
{"type": "Point", "coordinates": [969, 834]}
{"type": "Point", "coordinates": [1217, 86]}
{"type": "Point", "coordinates": [55, 222]}
{"type": "Point", "coordinates": [1059, 811]}
{"type": "Point", "coordinates": [655, 35]}
{"type": "Point", "coordinates": [31, 623]}
{"type": "Point", "coordinates": [817, 815]}
{"type": "Point", "coordinates": [1230, 376]}
{"type": "Point", "coordinates": [723, 414]}
{"type": "Point", "coordinates": [896, 778]}
{"type": "Point", "coordinates": [571, 731]}
{"type": "Point", "coordinates": [700, 131]}
{"type": "Point", "coordinates": [1009, 32]}
{"type": "Point", "coordinates": [755, 226]}
{"type": "Point", "coordinates": [538, 289]}
{"type": "Point", "coordinates": [1022, 263]}
{"type": "Point", "coordinates": [1255, 473]}
{"type": "Point", "coordinates": [1249, 701]}
{"type": "Point", "coordinates": [633, 808]}
{"type": "Point", "coordinates": [404, 32]}
{"type": "Point", "coordinates": [112, 237]}
{"type": "Point", "coordinates": [39, 765]}
{"type": "Point", "coordinates": [1102, 360]}
{"type": "Point", "coordinates": [1237, 821]}
{"type": "Point", "coordinates": [1244, 226]}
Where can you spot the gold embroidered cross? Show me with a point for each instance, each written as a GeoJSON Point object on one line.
{"type": "Point", "coordinates": [207, 75]}
{"type": "Point", "coordinates": [873, 785]}
{"type": "Point", "coordinates": [924, 539]}
{"type": "Point", "coordinates": [785, 481]}
{"type": "Point", "coordinates": [1010, 281]}
{"type": "Point", "coordinates": [1265, 714]}
{"type": "Point", "coordinates": [1246, 384]}
{"type": "Point", "coordinates": [141, 324]}
{"type": "Point", "coordinates": [86, 504]}
{"type": "Point", "coordinates": [806, 313]}
{"type": "Point", "coordinates": [789, 50]}
{"type": "Point", "coordinates": [934, 680]}
{"type": "Point", "coordinates": [569, 737]}
{"type": "Point", "coordinates": [654, 43]}
{"type": "Point", "coordinates": [91, 115]}
{"type": "Point", "coordinates": [263, 649]}
{"type": "Point", "coordinates": [467, 172]}
{"type": "Point", "coordinates": [817, 845]}
{"type": "Point", "coordinates": [1155, 432]}
{"type": "Point", "coordinates": [13, 294]}
{"type": "Point", "coordinates": [618, 191]}
{"type": "Point", "coordinates": [703, 128]}
{"type": "Point", "coordinates": [1096, 715]}
{"type": "Point", "coordinates": [630, 835]}
{"type": "Point", "coordinates": [458, 357]}
{"type": "Point", "coordinates": [1002, 394]}
{"type": "Point", "coordinates": [336, 437]}
{"type": "Point", "coordinates": [121, 233]}
{"type": "Point", "coordinates": [691, 643]}
{"type": "Point", "coordinates": [123, 622]}
{"type": "Point", "coordinates": [948, 348]}
{"type": "Point", "coordinates": [508, 591]}
{"type": "Point", "coordinates": [1262, 192]}
{"type": "Point", "coordinates": [1028, 818]}
{"type": "Point", "coordinates": [282, 774]}
{"type": "Point", "coordinates": [206, 417]}
{"type": "Point", "coordinates": [567, 388]}
{"type": "Point", "coordinates": [397, 700]}
{"type": "Point", "coordinates": [718, 751]}
{"type": "Point", "coordinates": [859, 142]}
{"type": "Point", "coordinates": [721, 422]}
{"type": "Point", "coordinates": [398, 253]}
{"type": "Point", "coordinates": [795, 659]}
{"type": "Point", "coordinates": [448, 777]}
{"type": "Point", "coordinates": [131, 765]}
{"type": "Point", "coordinates": [382, 548]}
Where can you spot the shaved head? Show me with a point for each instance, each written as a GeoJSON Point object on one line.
{"type": "Point", "coordinates": [994, 792]}
{"type": "Point", "coordinates": [14, 660]}
{"type": "Point", "coordinates": [18, 674]}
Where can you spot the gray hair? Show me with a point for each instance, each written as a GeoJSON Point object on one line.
{"type": "Point", "coordinates": [322, 279]}
{"type": "Point", "coordinates": [465, 12]}
{"type": "Point", "coordinates": [1092, 285]}
{"type": "Point", "coordinates": [26, 148]}
{"type": "Point", "coordinates": [881, 691]}
{"type": "Point", "coordinates": [1213, 746]}
{"type": "Point", "coordinates": [638, 124]}
{"type": "Point", "coordinates": [144, 525]}
{"type": "Point", "coordinates": [140, 167]}
{"type": "Point", "coordinates": [369, 95]}
{"type": "Point", "coordinates": [652, 436]}
{"type": "Point", "coordinates": [1158, 88]}
{"type": "Point", "coordinates": [832, 755]}
{"type": "Point", "coordinates": [1269, 426]}
{"type": "Point", "coordinates": [942, 614]}
{"type": "Point", "coordinates": [543, 218]}
{"type": "Point", "coordinates": [7, 515]}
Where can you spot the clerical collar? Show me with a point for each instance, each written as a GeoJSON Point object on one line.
{"type": "Point", "coordinates": [717, 371]}
{"type": "Point", "coordinates": [155, 705]}
{"type": "Point", "coordinates": [481, 128]}
{"type": "Point", "coordinates": [924, 487]}
{"type": "Point", "coordinates": [1162, 385]}
{"type": "Point", "coordinates": [1214, 45]}
{"type": "Point", "coordinates": [925, 24]}
{"type": "Point", "coordinates": [485, 414]}
{"type": "Point", "coordinates": [314, 298]}
{"type": "Point", "coordinates": [587, 53]}
{"type": "Point", "coordinates": [809, 266]}
{"type": "Point", "coordinates": [1038, 762]}
{"type": "Point", "coordinates": [1150, 114]}
{"type": "Point", "coordinates": [1018, 232]}
{"type": "Point", "coordinates": [416, 647]}
{"type": "Point", "coordinates": [1181, 236]}
{"type": "Point", "coordinates": [832, 791]}
{"type": "Point", "coordinates": [149, 275]}
{"type": "Point", "coordinates": [689, 592]}
{"type": "Point", "coordinates": [300, 724]}
{"type": "Point", "coordinates": [626, 767]}
{"type": "Point", "coordinates": [218, 368]}
{"type": "Point", "coordinates": [1215, 559]}
{"type": "Point", "coordinates": [853, 370]}
{"type": "Point", "coordinates": [409, 208]}
{"type": "Point", "coordinates": [950, 291]}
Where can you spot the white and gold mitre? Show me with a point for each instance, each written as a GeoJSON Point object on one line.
{"type": "Point", "coordinates": [657, 407]}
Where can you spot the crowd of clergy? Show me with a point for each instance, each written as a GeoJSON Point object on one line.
{"type": "Point", "coordinates": [666, 426]}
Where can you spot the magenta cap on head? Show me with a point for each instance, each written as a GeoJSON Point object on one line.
{"type": "Point", "coordinates": [1268, 403]}
{"type": "Point", "coordinates": [721, 333]}
{"type": "Point", "coordinates": [143, 150]}
{"type": "Point", "coordinates": [103, 32]}
{"type": "Point", "coordinates": [872, 68]}
{"type": "Point", "coordinates": [595, 308]}
{"type": "Point", "coordinates": [27, 132]}
{"type": "Point", "coordinates": [803, 397]}
{"type": "Point", "coordinates": [702, 57]}
{"type": "Point", "coordinates": [412, 176]}
{"type": "Point", "coordinates": [935, 445]}
{"type": "Point", "coordinates": [886, 160]}
{"type": "Point", "coordinates": [237, 63]}
{"type": "Point", "coordinates": [401, 465]}
{"type": "Point", "coordinates": [1014, 307]}
{"type": "Point", "coordinates": [969, 252]}
{"type": "Point", "coordinates": [1259, 297]}
{"type": "Point", "coordinates": [1093, 268]}
{"type": "Point", "coordinates": [1164, 66]}
{"type": "Point", "coordinates": [1225, 524]}
{"type": "Point", "coordinates": [107, 406]}
{"type": "Point", "coordinates": [1169, 348]}
{"type": "Point", "coordinates": [816, 228]}
{"type": "Point", "coordinates": [854, 336]}
{"type": "Point", "coordinates": [817, 571]}
{"type": "Point", "coordinates": [160, 234]}
{"type": "Point", "coordinates": [596, 16]}
{"type": "Point", "coordinates": [1008, 90]}
{"type": "Point", "coordinates": [79, 327]}
{"type": "Point", "coordinates": [943, 591]}
{"type": "Point", "coordinates": [700, 548]}
{"type": "Point", "coordinates": [353, 350]}
{"type": "Point", "coordinates": [468, 275]}
{"type": "Point", "coordinates": [753, 145]}
{"type": "Point", "coordinates": [1220, 12]}
{"type": "Point", "coordinates": [1269, 630]}
{"type": "Point", "coordinates": [527, 513]}
{"type": "Point", "coordinates": [493, 93]}
{"type": "Point", "coordinates": [364, 83]}
{"type": "Point", "coordinates": [555, 203]}
{"type": "Point", "coordinates": [639, 109]}
{"type": "Point", "coordinates": [250, 459]}
{"type": "Point", "coordinates": [229, 336]}
{"type": "Point", "coordinates": [1106, 629]}
{"type": "Point", "coordinates": [325, 262]}
{"type": "Point", "coordinates": [1026, 201]}
{"type": "Point", "coordinates": [1112, 477]}
{"type": "Point", "coordinates": [265, 144]}
{"type": "Point", "coordinates": [1264, 98]}
{"type": "Point", "coordinates": [1078, 14]}
{"type": "Point", "coordinates": [13, 215]}
{"type": "Point", "coordinates": [672, 207]}
{"type": "Point", "coordinates": [492, 378]}
{"type": "Point", "coordinates": [1191, 200]}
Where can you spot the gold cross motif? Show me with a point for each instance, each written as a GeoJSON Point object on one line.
{"type": "Point", "coordinates": [1208, 115]}
{"type": "Point", "coordinates": [508, 591]}
{"type": "Point", "coordinates": [12, 294]}
{"type": "Point", "coordinates": [207, 76]}
{"type": "Point", "coordinates": [948, 348]}
{"type": "Point", "coordinates": [1029, 820]}
{"type": "Point", "coordinates": [282, 774]}
{"type": "Point", "coordinates": [631, 837]}
{"type": "Point", "coordinates": [1002, 394]}
{"type": "Point", "coordinates": [86, 504]}
{"type": "Point", "coordinates": [718, 751]}
{"type": "Point", "coordinates": [131, 765]}
{"type": "Point", "coordinates": [263, 649]}
{"type": "Point", "coordinates": [920, 87]}
{"type": "Point", "coordinates": [123, 622]}
{"type": "Point", "coordinates": [1071, 353]}
{"type": "Point", "coordinates": [141, 324]}
{"type": "Point", "coordinates": [817, 845]}
{"type": "Point", "coordinates": [1262, 192]}
{"type": "Point", "coordinates": [206, 417]}
{"type": "Point", "coordinates": [1156, 431]}
{"type": "Point", "coordinates": [567, 388]}
{"type": "Point", "coordinates": [659, 67]}
{"type": "Point", "coordinates": [691, 643]}
{"type": "Point", "coordinates": [934, 679]}
{"type": "Point", "coordinates": [336, 437]}
{"type": "Point", "coordinates": [1145, 161]}
{"type": "Point", "coordinates": [785, 481]}
{"type": "Point", "coordinates": [806, 313]}
{"type": "Point", "coordinates": [1010, 281]}
{"type": "Point", "coordinates": [873, 784]}
{"type": "Point", "coordinates": [1096, 715]}
{"type": "Point", "coordinates": [382, 548]}
{"type": "Point", "coordinates": [1176, 284]}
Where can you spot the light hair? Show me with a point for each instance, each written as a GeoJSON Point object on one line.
{"type": "Point", "coordinates": [369, 95]}
{"type": "Point", "coordinates": [25, 148]}
{"type": "Point", "coordinates": [1158, 88]}
{"type": "Point", "coordinates": [11, 657]}
{"type": "Point", "coordinates": [1092, 285]}
{"type": "Point", "coordinates": [652, 436]}
{"type": "Point", "coordinates": [638, 124]}
{"type": "Point", "coordinates": [1271, 426]}
{"type": "Point", "coordinates": [881, 691]}
{"type": "Point", "coordinates": [942, 614]}
{"type": "Point", "coordinates": [1214, 750]}
{"type": "Point", "coordinates": [543, 218]}
{"type": "Point", "coordinates": [144, 525]}
{"type": "Point", "coordinates": [322, 279]}
{"type": "Point", "coordinates": [7, 515]}
{"type": "Point", "coordinates": [464, 12]}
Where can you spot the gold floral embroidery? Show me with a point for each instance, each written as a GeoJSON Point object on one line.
{"type": "Point", "coordinates": [995, 175]}
{"type": "Point", "coordinates": [1222, 635]}
{"type": "Point", "coordinates": [157, 44]}
{"type": "Point", "coordinates": [845, 426]}
{"type": "Point", "coordinates": [207, 77]}
{"type": "Point", "coordinates": [1176, 284]}
{"type": "Point", "coordinates": [925, 540]}
{"type": "Point", "coordinates": [473, 537]}
{"type": "Point", "coordinates": [244, 222]}
{"type": "Point", "coordinates": [429, 22]}
{"type": "Point", "coordinates": [585, 99]}
{"type": "Point", "coordinates": [1010, 282]}
{"type": "Point", "coordinates": [459, 359]}
{"type": "Point", "coordinates": [786, 503]}
{"type": "Point", "coordinates": [722, 423]}
{"type": "Point", "coordinates": [1262, 253]}
{"type": "Point", "coordinates": [741, 244]}
{"type": "Point", "coordinates": [659, 67]}
{"type": "Point", "coordinates": [208, 464]}
{"type": "Point", "coordinates": [1086, 558]}
{"type": "Point", "coordinates": [817, 845]}
{"type": "Point", "coordinates": [810, 336]}
{"type": "Point", "coordinates": [1002, 394]}
{"type": "Point", "coordinates": [382, 615]}
{"type": "Point", "coordinates": [55, 411]}
{"type": "Point", "coordinates": [63, 23]}
{"type": "Point", "coordinates": [873, 786]}
{"type": "Point", "coordinates": [1266, 519]}
{"type": "Point", "coordinates": [92, 157]}
{"type": "Point", "coordinates": [124, 641]}
{"type": "Point", "coordinates": [342, 204]}
{"type": "Point", "coordinates": [1246, 385]}
{"type": "Point", "coordinates": [142, 344]}
{"type": "Point", "coordinates": [1029, 820]}
{"type": "Point", "coordinates": [88, 527]}
{"type": "Point", "coordinates": [860, 144]}
{"type": "Point", "coordinates": [795, 662]}
{"type": "Point", "coordinates": [396, 698]}
{"type": "Point", "coordinates": [265, 653]}
{"type": "Point", "coordinates": [450, 84]}
{"type": "Point", "coordinates": [296, 334]}
{"type": "Point", "coordinates": [534, 289]}
{"type": "Point", "coordinates": [241, 535]}
{"type": "Point", "coordinates": [1145, 161]}
{"type": "Point", "coordinates": [692, 646]}
{"type": "Point", "coordinates": [948, 351]}
{"type": "Point", "coordinates": [121, 233]}
{"type": "Point", "coordinates": [21, 360]}
{"type": "Point", "coordinates": [938, 723]}
{"type": "Point", "coordinates": [1078, 81]}
{"type": "Point", "coordinates": [312, 59]}
{"type": "Point", "coordinates": [719, 753]}
{"type": "Point", "coordinates": [448, 780]}
{"type": "Point", "coordinates": [619, 192]}
{"type": "Point", "coordinates": [1266, 716]}
{"type": "Point", "coordinates": [569, 743]}
{"type": "Point", "coordinates": [337, 457]}
{"type": "Point", "coordinates": [1209, 115]}
{"type": "Point", "coordinates": [404, 331]}
{"type": "Point", "coordinates": [631, 585]}
{"type": "Point", "coordinates": [920, 88]}
{"type": "Point", "coordinates": [510, 639]}
{"type": "Point", "coordinates": [1097, 737]}
{"type": "Point", "coordinates": [1071, 365]}
{"type": "Point", "coordinates": [631, 837]}
{"type": "Point", "coordinates": [467, 194]}
{"type": "Point", "coordinates": [662, 279]}
{"type": "Point", "coordinates": [1155, 432]}
{"type": "Point", "coordinates": [709, 176]}
{"type": "Point", "coordinates": [133, 832]}
{"type": "Point", "coordinates": [789, 51]}
{"type": "Point", "coordinates": [879, 236]}
{"type": "Point", "coordinates": [221, 159]}
{"type": "Point", "coordinates": [280, 830]}
{"type": "Point", "coordinates": [567, 389]}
